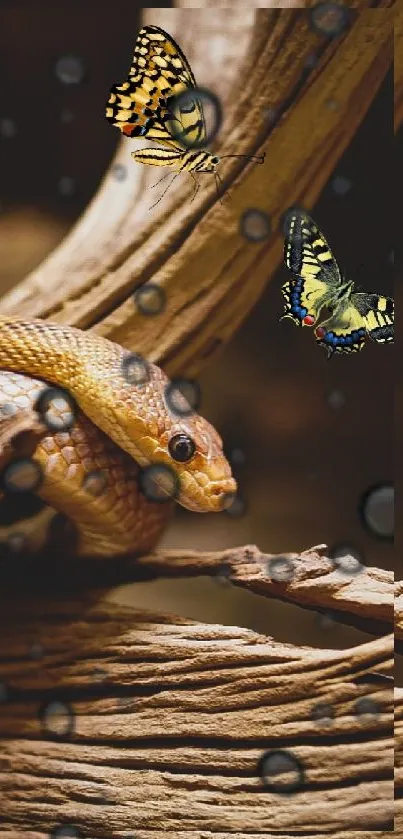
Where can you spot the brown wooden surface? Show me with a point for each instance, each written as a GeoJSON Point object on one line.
{"type": "Point", "coordinates": [171, 718]}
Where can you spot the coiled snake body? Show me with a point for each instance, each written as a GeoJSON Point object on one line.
{"type": "Point", "coordinates": [119, 427]}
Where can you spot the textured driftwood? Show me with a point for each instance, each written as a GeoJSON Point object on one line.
{"type": "Point", "coordinates": [171, 718]}
{"type": "Point", "coordinates": [119, 244]}
{"type": "Point", "coordinates": [365, 599]}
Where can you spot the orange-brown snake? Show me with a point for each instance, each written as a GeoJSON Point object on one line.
{"type": "Point", "coordinates": [121, 428]}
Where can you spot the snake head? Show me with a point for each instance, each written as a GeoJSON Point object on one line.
{"type": "Point", "coordinates": [156, 429]}
{"type": "Point", "coordinates": [194, 451]}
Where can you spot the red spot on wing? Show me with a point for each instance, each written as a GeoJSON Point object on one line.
{"type": "Point", "coordinates": [127, 129]}
{"type": "Point", "coordinates": [309, 320]}
{"type": "Point", "coordinates": [320, 332]}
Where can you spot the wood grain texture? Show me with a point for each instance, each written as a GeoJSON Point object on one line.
{"type": "Point", "coordinates": [256, 67]}
{"type": "Point", "coordinates": [311, 579]}
{"type": "Point", "coordinates": [170, 720]}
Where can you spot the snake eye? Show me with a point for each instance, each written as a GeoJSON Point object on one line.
{"type": "Point", "coordinates": [181, 448]}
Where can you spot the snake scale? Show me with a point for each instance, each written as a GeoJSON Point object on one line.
{"type": "Point", "coordinates": [120, 428]}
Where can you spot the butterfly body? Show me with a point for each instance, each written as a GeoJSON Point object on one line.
{"type": "Point", "coordinates": [159, 101]}
{"type": "Point", "coordinates": [317, 284]}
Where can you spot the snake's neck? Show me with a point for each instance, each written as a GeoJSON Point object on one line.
{"type": "Point", "coordinates": [89, 367]}
{"type": "Point", "coordinates": [55, 353]}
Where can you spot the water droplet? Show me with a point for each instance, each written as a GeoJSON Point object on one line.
{"type": "Point", "coordinates": [377, 510]}
{"type": "Point", "coordinates": [270, 115]}
{"type": "Point", "coordinates": [67, 186]}
{"type": "Point", "coordinates": [95, 482]}
{"type": "Point", "coordinates": [159, 483]}
{"type": "Point", "coordinates": [280, 569]}
{"type": "Point", "coordinates": [255, 225]}
{"type": "Point", "coordinates": [346, 560]}
{"type": "Point", "coordinates": [329, 19]}
{"type": "Point", "coordinates": [8, 410]}
{"type": "Point", "coordinates": [222, 575]}
{"type": "Point", "coordinates": [332, 104]}
{"type": "Point", "coordinates": [70, 69]}
{"type": "Point", "coordinates": [56, 408]}
{"type": "Point", "coordinates": [327, 621]}
{"type": "Point", "coordinates": [67, 116]}
{"type": "Point", "coordinates": [184, 104]}
{"type": "Point", "coordinates": [366, 709]}
{"type": "Point", "coordinates": [237, 457]}
{"type": "Point", "coordinates": [65, 831]}
{"type": "Point", "coordinates": [234, 506]}
{"type": "Point", "coordinates": [182, 397]}
{"type": "Point", "coordinates": [119, 171]}
{"type": "Point", "coordinates": [311, 60]}
{"type": "Point", "coordinates": [21, 475]}
{"type": "Point", "coordinates": [36, 652]}
{"type": "Point", "coordinates": [8, 128]}
{"type": "Point", "coordinates": [323, 714]}
{"type": "Point", "coordinates": [99, 674]}
{"type": "Point", "coordinates": [341, 185]}
{"type": "Point", "coordinates": [57, 720]}
{"type": "Point", "coordinates": [336, 399]}
{"type": "Point", "coordinates": [16, 542]}
{"type": "Point", "coordinates": [150, 299]}
{"type": "Point", "coordinates": [135, 369]}
{"type": "Point", "coordinates": [281, 772]}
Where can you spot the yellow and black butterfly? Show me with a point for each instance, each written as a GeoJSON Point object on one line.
{"type": "Point", "coordinates": [152, 103]}
{"type": "Point", "coordinates": [317, 284]}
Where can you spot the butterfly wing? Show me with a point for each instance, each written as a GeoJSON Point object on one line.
{"type": "Point", "coordinates": [355, 318]}
{"type": "Point", "coordinates": [316, 275]}
{"type": "Point", "coordinates": [378, 314]}
{"type": "Point", "coordinates": [159, 73]}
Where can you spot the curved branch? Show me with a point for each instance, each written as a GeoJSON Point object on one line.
{"type": "Point", "coordinates": [119, 244]}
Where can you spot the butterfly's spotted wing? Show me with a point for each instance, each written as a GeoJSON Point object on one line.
{"type": "Point", "coordinates": [316, 276]}
{"type": "Point", "coordinates": [146, 104]}
{"type": "Point", "coordinates": [355, 318]}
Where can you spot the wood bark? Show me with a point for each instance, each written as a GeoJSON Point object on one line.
{"type": "Point", "coordinates": [168, 720]}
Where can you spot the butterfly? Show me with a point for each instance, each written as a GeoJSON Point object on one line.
{"type": "Point", "coordinates": [160, 101]}
{"type": "Point", "coordinates": [317, 284]}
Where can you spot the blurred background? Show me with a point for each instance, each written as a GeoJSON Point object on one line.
{"type": "Point", "coordinates": [311, 441]}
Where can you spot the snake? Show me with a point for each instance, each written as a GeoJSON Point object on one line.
{"type": "Point", "coordinates": [124, 428]}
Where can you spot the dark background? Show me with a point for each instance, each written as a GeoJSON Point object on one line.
{"type": "Point", "coordinates": [313, 436]}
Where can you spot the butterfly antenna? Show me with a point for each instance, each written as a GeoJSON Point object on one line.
{"type": "Point", "coordinates": [165, 190]}
{"type": "Point", "coordinates": [259, 158]}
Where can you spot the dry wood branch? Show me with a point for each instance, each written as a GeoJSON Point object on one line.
{"type": "Point", "coordinates": [171, 717]}
{"type": "Point", "coordinates": [119, 244]}
{"type": "Point", "coordinates": [364, 599]}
